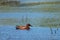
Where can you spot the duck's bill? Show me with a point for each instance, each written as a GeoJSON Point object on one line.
{"type": "Point", "coordinates": [31, 25]}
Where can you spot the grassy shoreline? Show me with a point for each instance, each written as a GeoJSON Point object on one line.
{"type": "Point", "coordinates": [28, 4]}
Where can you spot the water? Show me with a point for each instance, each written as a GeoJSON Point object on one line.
{"type": "Point", "coordinates": [35, 15]}
{"type": "Point", "coordinates": [19, 18]}
{"type": "Point", "coordinates": [35, 33]}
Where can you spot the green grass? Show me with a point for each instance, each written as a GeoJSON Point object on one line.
{"type": "Point", "coordinates": [39, 3]}
{"type": "Point", "coordinates": [44, 22]}
{"type": "Point", "coordinates": [26, 7]}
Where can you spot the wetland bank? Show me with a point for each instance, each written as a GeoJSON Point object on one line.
{"type": "Point", "coordinates": [44, 17]}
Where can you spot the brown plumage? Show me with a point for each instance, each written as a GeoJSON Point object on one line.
{"type": "Point", "coordinates": [23, 27]}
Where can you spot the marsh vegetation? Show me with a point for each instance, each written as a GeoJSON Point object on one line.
{"type": "Point", "coordinates": [43, 16]}
{"type": "Point", "coordinates": [8, 6]}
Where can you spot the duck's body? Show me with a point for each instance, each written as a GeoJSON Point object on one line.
{"type": "Point", "coordinates": [23, 27]}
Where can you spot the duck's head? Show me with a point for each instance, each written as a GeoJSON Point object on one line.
{"type": "Point", "coordinates": [28, 24]}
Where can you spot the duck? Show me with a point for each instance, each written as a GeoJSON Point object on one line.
{"type": "Point", "coordinates": [27, 27]}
